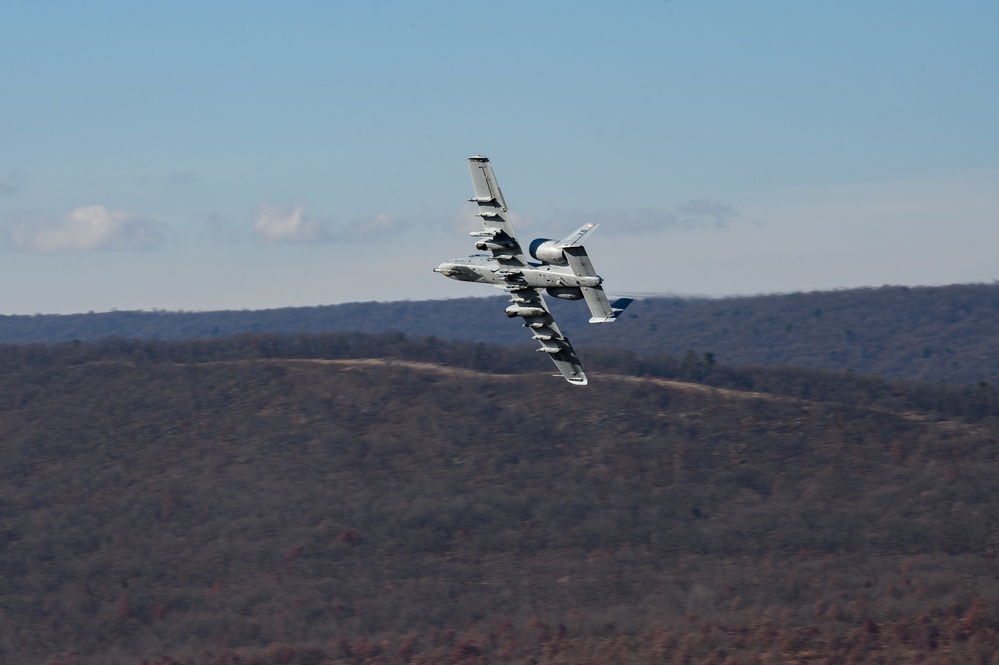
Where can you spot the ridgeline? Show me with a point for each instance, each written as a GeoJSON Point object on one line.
{"type": "Point", "coordinates": [944, 334]}
{"type": "Point", "coordinates": [351, 498]}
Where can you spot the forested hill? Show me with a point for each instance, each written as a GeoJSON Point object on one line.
{"type": "Point", "coordinates": [381, 499]}
{"type": "Point", "coordinates": [948, 334]}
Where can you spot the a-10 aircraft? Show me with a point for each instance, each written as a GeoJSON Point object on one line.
{"type": "Point", "coordinates": [563, 269]}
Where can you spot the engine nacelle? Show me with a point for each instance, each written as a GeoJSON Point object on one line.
{"type": "Point", "coordinates": [565, 292]}
{"type": "Point", "coordinates": [547, 250]}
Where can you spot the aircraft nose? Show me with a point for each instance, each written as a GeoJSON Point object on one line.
{"type": "Point", "coordinates": [444, 269]}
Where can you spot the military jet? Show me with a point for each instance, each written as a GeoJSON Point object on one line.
{"type": "Point", "coordinates": [562, 268]}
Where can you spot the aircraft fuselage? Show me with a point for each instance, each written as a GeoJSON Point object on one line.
{"type": "Point", "coordinates": [487, 269]}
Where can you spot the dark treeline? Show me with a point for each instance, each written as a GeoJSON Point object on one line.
{"type": "Point", "coordinates": [936, 334]}
{"type": "Point", "coordinates": [971, 403]}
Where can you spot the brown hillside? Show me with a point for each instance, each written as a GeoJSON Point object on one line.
{"type": "Point", "coordinates": [295, 510]}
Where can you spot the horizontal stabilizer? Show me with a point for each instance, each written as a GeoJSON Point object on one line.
{"type": "Point", "coordinates": [600, 308]}
{"type": "Point", "coordinates": [620, 305]}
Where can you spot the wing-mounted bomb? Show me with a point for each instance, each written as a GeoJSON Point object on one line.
{"type": "Point", "coordinates": [494, 240]}
{"type": "Point", "coordinates": [521, 310]}
{"type": "Point", "coordinates": [495, 245]}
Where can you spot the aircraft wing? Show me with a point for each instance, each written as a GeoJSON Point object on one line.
{"type": "Point", "coordinates": [497, 234]}
{"type": "Point", "coordinates": [527, 302]}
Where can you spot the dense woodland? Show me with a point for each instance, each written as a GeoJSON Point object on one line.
{"type": "Point", "coordinates": [937, 334]}
{"type": "Point", "coordinates": [352, 498]}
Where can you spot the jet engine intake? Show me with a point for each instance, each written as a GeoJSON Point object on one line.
{"type": "Point", "coordinates": [547, 250]}
{"type": "Point", "coordinates": [565, 292]}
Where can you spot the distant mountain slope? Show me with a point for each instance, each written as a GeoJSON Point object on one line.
{"type": "Point", "coordinates": [465, 318]}
{"type": "Point", "coordinates": [948, 334]}
{"type": "Point", "coordinates": [249, 500]}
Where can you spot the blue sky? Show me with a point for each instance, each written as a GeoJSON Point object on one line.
{"type": "Point", "coordinates": [245, 155]}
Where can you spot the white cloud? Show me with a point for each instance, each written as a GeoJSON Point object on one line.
{"type": "Point", "coordinates": [463, 220]}
{"type": "Point", "coordinates": [378, 226]}
{"type": "Point", "coordinates": [84, 229]}
{"type": "Point", "coordinates": [700, 213]}
{"type": "Point", "coordinates": [274, 224]}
